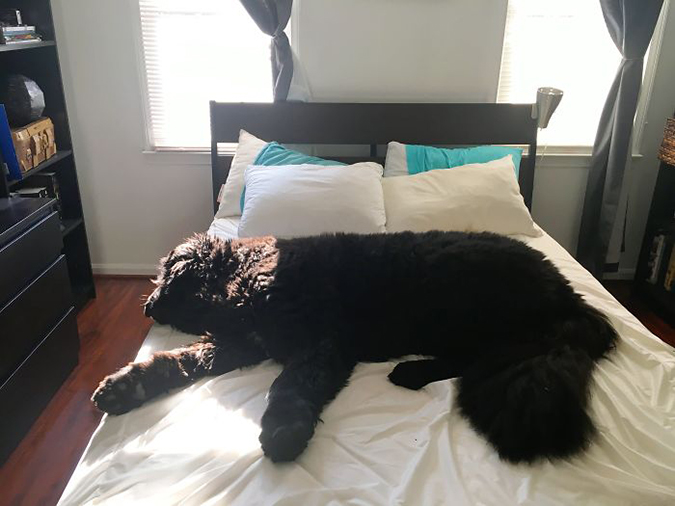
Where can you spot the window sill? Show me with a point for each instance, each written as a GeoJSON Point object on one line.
{"type": "Point", "coordinates": [568, 156]}
{"type": "Point", "coordinates": [571, 151]}
{"type": "Point", "coordinates": [177, 157]}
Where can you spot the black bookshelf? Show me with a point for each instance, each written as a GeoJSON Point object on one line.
{"type": "Point", "coordinates": [40, 62]}
{"type": "Point", "coordinates": [661, 221]}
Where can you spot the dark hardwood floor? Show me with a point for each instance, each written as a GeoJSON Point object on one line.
{"type": "Point", "coordinates": [112, 329]}
{"type": "Point", "coordinates": [642, 311]}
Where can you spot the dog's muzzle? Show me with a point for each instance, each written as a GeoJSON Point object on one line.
{"type": "Point", "coordinates": [149, 306]}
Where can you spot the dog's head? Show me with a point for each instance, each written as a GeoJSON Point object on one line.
{"type": "Point", "coordinates": [186, 294]}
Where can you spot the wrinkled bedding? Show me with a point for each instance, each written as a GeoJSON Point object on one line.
{"type": "Point", "coordinates": [381, 444]}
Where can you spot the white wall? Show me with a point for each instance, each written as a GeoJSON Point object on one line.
{"type": "Point", "coordinates": [138, 206]}
{"type": "Point", "coordinates": [135, 210]}
{"type": "Point", "coordinates": [401, 50]}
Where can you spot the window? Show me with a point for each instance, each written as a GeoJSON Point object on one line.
{"type": "Point", "coordinates": [565, 45]}
{"type": "Point", "coordinates": [195, 52]}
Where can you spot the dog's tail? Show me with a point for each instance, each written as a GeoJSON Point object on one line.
{"type": "Point", "coordinates": [531, 402]}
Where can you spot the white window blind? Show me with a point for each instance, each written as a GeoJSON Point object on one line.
{"type": "Point", "coordinates": [195, 52]}
{"type": "Point", "coordinates": [564, 44]}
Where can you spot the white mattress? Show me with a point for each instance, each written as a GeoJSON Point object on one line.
{"type": "Point", "coordinates": [380, 444]}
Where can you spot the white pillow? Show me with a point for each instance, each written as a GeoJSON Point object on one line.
{"type": "Point", "coordinates": [247, 151]}
{"type": "Point", "coordinates": [302, 200]}
{"type": "Point", "coordinates": [396, 163]}
{"type": "Point", "coordinates": [481, 197]}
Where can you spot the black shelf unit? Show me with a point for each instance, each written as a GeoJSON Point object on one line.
{"type": "Point", "coordinates": [70, 225]}
{"type": "Point", "coordinates": [40, 62]}
{"type": "Point", "coordinates": [661, 221]}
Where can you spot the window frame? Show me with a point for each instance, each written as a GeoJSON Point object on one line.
{"type": "Point", "coordinates": [142, 77]}
{"type": "Point", "coordinates": [169, 155]}
{"type": "Point", "coordinates": [197, 156]}
{"type": "Point", "coordinates": [648, 79]}
{"type": "Point", "coordinates": [649, 75]}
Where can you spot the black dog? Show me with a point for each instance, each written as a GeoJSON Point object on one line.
{"type": "Point", "coordinates": [489, 310]}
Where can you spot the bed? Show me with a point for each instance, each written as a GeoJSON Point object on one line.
{"type": "Point", "coordinates": [379, 444]}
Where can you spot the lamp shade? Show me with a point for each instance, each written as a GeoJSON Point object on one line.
{"type": "Point", "coordinates": [667, 150]}
{"type": "Point", "coordinates": [548, 100]}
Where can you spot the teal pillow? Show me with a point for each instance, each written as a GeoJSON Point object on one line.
{"type": "Point", "coordinates": [274, 154]}
{"type": "Point", "coordinates": [425, 158]}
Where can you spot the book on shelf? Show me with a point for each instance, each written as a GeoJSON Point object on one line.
{"type": "Point", "coordinates": [20, 42]}
{"type": "Point", "coordinates": [17, 30]}
{"type": "Point", "coordinates": [656, 258]}
{"type": "Point", "coordinates": [669, 282]}
{"type": "Point", "coordinates": [17, 34]}
{"type": "Point", "coordinates": [20, 39]}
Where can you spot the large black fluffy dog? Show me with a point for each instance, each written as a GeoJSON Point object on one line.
{"type": "Point", "coordinates": [488, 310]}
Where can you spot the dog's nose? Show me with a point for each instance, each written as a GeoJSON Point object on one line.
{"type": "Point", "coordinates": [147, 308]}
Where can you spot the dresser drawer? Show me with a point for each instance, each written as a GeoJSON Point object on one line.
{"type": "Point", "coordinates": [27, 318]}
{"type": "Point", "coordinates": [25, 257]}
{"type": "Point", "coordinates": [26, 393]}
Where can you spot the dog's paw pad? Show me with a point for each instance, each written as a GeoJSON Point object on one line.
{"type": "Point", "coordinates": [119, 393]}
{"type": "Point", "coordinates": [285, 443]}
{"type": "Point", "coordinates": [404, 376]}
{"type": "Point", "coordinates": [286, 429]}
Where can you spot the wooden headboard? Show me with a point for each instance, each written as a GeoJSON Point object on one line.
{"type": "Point", "coordinates": [375, 125]}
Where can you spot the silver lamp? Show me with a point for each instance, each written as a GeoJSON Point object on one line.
{"type": "Point", "coordinates": [548, 100]}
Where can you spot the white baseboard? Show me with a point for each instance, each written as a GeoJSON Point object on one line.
{"type": "Point", "coordinates": [125, 269]}
{"type": "Point", "coordinates": [620, 275]}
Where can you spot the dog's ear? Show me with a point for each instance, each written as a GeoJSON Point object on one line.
{"type": "Point", "coordinates": [198, 257]}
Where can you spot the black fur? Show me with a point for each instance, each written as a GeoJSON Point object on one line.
{"type": "Point", "coordinates": [489, 310]}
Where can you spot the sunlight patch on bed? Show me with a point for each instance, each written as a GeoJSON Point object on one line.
{"type": "Point", "coordinates": [144, 353]}
{"type": "Point", "coordinates": [199, 426]}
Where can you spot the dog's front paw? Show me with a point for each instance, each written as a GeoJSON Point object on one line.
{"type": "Point", "coordinates": [120, 392]}
{"type": "Point", "coordinates": [286, 431]}
{"type": "Point", "coordinates": [406, 375]}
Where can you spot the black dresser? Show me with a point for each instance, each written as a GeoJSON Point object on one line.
{"type": "Point", "coordinates": [38, 329]}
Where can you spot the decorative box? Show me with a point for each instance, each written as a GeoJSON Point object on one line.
{"type": "Point", "coordinates": [24, 153]}
{"type": "Point", "coordinates": [34, 143]}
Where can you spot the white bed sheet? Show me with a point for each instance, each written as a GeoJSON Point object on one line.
{"type": "Point", "coordinates": [380, 444]}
